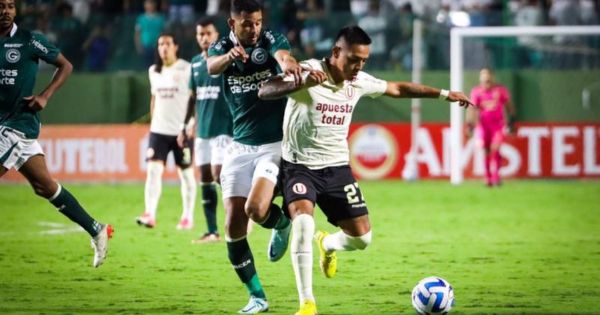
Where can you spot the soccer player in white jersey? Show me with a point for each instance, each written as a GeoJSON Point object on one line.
{"type": "Point", "coordinates": [169, 84]}
{"type": "Point", "coordinates": [315, 158]}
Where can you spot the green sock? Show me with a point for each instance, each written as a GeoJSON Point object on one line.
{"type": "Point", "coordinates": [209, 201]}
{"type": "Point", "coordinates": [242, 261]}
{"type": "Point", "coordinates": [276, 219]}
{"type": "Point", "coordinates": [68, 205]}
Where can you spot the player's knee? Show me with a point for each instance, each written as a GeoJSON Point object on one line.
{"type": "Point", "coordinates": [361, 242]}
{"type": "Point", "coordinates": [253, 210]}
{"type": "Point", "coordinates": [155, 170]}
{"type": "Point", "coordinates": [44, 190]}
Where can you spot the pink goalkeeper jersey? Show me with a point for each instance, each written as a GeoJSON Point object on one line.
{"type": "Point", "coordinates": [490, 104]}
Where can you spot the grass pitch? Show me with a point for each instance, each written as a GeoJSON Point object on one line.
{"type": "Point", "coordinates": [530, 247]}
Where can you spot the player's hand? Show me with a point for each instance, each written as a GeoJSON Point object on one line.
{"type": "Point", "coordinates": [237, 52]}
{"type": "Point", "coordinates": [181, 137]}
{"type": "Point", "coordinates": [36, 102]}
{"type": "Point", "coordinates": [459, 97]}
{"type": "Point", "coordinates": [314, 77]}
{"type": "Point", "coordinates": [292, 68]}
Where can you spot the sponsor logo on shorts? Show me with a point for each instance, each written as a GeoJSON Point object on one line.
{"type": "Point", "coordinates": [259, 56]}
{"type": "Point", "coordinates": [13, 55]}
{"type": "Point", "coordinates": [299, 189]}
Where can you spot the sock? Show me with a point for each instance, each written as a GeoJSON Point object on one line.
{"type": "Point", "coordinates": [68, 205]}
{"type": "Point", "coordinates": [342, 241]}
{"type": "Point", "coordinates": [242, 261]}
{"type": "Point", "coordinates": [488, 166]}
{"type": "Point", "coordinates": [153, 187]}
{"type": "Point", "coordinates": [275, 218]}
{"type": "Point", "coordinates": [497, 163]}
{"type": "Point", "coordinates": [188, 192]}
{"type": "Point", "coordinates": [209, 201]}
{"type": "Point", "coordinates": [302, 255]}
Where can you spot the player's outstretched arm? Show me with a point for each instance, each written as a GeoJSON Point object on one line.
{"type": "Point", "coordinates": [63, 70]}
{"type": "Point", "coordinates": [218, 64]}
{"type": "Point", "coordinates": [289, 65]}
{"type": "Point", "coordinates": [280, 86]}
{"type": "Point", "coordinates": [415, 90]}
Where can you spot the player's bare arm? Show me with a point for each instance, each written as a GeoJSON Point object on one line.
{"type": "Point", "coordinates": [415, 90]}
{"type": "Point", "coordinates": [289, 65]}
{"type": "Point", "coordinates": [277, 87]}
{"type": "Point", "coordinates": [218, 64]}
{"type": "Point", "coordinates": [63, 70]}
{"type": "Point", "coordinates": [187, 132]}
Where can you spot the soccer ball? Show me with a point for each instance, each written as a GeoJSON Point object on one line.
{"type": "Point", "coordinates": [433, 296]}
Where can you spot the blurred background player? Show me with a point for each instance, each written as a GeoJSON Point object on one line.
{"type": "Point", "coordinates": [487, 117]}
{"type": "Point", "coordinates": [169, 85]}
{"type": "Point", "coordinates": [213, 126]}
{"type": "Point", "coordinates": [21, 51]}
{"type": "Point", "coordinates": [315, 155]}
{"type": "Point", "coordinates": [247, 56]}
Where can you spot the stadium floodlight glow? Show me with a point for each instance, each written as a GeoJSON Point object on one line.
{"type": "Point", "coordinates": [457, 35]}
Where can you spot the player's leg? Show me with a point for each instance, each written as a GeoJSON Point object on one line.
{"type": "Point", "coordinates": [156, 156]}
{"type": "Point", "coordinates": [260, 207]}
{"type": "Point", "coordinates": [3, 171]}
{"type": "Point", "coordinates": [484, 140]}
{"type": "Point", "coordinates": [183, 159]}
{"type": "Point", "coordinates": [236, 183]}
{"type": "Point", "coordinates": [496, 160]}
{"type": "Point", "coordinates": [299, 187]}
{"type": "Point", "coordinates": [208, 190]}
{"type": "Point", "coordinates": [36, 172]}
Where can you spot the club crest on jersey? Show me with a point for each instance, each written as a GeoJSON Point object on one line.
{"type": "Point", "coordinates": [350, 92]}
{"type": "Point", "coordinates": [299, 189]}
{"type": "Point", "coordinates": [13, 55]}
{"type": "Point", "coordinates": [259, 56]}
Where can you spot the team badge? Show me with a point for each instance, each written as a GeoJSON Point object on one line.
{"type": "Point", "coordinates": [350, 92]}
{"type": "Point", "coordinates": [299, 189]}
{"type": "Point", "coordinates": [13, 55]}
{"type": "Point", "coordinates": [259, 56]}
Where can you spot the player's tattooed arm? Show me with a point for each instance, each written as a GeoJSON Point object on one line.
{"type": "Point", "coordinates": [63, 70]}
{"type": "Point", "coordinates": [289, 65]}
{"type": "Point", "coordinates": [415, 90]}
{"type": "Point", "coordinates": [280, 86]}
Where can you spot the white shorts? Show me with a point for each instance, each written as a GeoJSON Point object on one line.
{"type": "Point", "coordinates": [246, 163]}
{"type": "Point", "coordinates": [211, 150]}
{"type": "Point", "coordinates": [15, 149]}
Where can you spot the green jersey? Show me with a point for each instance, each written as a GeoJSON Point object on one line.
{"type": "Point", "coordinates": [255, 121]}
{"type": "Point", "coordinates": [19, 56]}
{"type": "Point", "coordinates": [212, 114]}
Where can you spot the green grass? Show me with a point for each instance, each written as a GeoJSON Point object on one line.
{"type": "Point", "coordinates": [530, 247]}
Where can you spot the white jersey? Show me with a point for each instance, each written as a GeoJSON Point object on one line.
{"type": "Point", "coordinates": [317, 119]}
{"type": "Point", "coordinates": [171, 92]}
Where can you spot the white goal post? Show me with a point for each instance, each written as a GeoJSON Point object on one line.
{"type": "Point", "coordinates": [457, 36]}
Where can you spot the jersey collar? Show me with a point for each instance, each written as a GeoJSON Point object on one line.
{"type": "Point", "coordinates": [13, 30]}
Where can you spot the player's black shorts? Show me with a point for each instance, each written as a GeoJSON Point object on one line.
{"type": "Point", "coordinates": [159, 147]}
{"type": "Point", "coordinates": [333, 189]}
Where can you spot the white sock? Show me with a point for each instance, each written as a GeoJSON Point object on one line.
{"type": "Point", "coordinates": [342, 241]}
{"type": "Point", "coordinates": [303, 227]}
{"type": "Point", "coordinates": [188, 192]}
{"type": "Point", "coordinates": [153, 187]}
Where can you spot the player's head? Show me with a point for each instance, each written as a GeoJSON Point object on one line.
{"type": "Point", "coordinates": [246, 21]}
{"type": "Point", "coordinates": [150, 6]}
{"type": "Point", "coordinates": [167, 51]}
{"type": "Point", "coordinates": [206, 33]}
{"type": "Point", "coordinates": [486, 78]}
{"type": "Point", "coordinates": [350, 51]}
{"type": "Point", "coordinates": [8, 11]}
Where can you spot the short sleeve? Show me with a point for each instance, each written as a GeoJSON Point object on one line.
{"type": "Point", "coordinates": [277, 42]}
{"type": "Point", "coordinates": [371, 86]}
{"type": "Point", "coordinates": [217, 48]}
{"type": "Point", "coordinates": [43, 49]}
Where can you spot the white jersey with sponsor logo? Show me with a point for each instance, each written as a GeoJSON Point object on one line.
{"type": "Point", "coordinates": [317, 119]}
{"type": "Point", "coordinates": [171, 93]}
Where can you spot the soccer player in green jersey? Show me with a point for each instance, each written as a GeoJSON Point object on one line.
{"type": "Point", "coordinates": [213, 126]}
{"type": "Point", "coordinates": [20, 52]}
{"type": "Point", "coordinates": [247, 56]}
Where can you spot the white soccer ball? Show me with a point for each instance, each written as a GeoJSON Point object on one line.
{"type": "Point", "coordinates": [433, 296]}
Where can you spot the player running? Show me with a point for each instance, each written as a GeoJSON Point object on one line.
{"type": "Point", "coordinates": [169, 86]}
{"type": "Point", "coordinates": [315, 158]}
{"type": "Point", "coordinates": [214, 126]}
{"type": "Point", "coordinates": [20, 52]}
{"type": "Point", "coordinates": [490, 100]}
{"type": "Point", "coordinates": [245, 57]}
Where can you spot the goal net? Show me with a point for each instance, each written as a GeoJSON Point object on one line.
{"type": "Point", "coordinates": [553, 75]}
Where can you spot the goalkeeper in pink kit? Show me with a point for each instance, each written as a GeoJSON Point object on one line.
{"type": "Point", "coordinates": [490, 100]}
